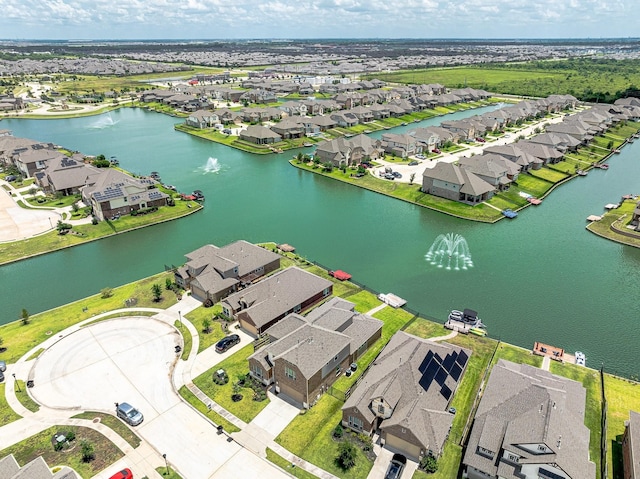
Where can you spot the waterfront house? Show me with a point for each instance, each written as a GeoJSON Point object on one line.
{"type": "Point", "coordinates": [66, 176]}
{"type": "Point", "coordinates": [112, 193]}
{"type": "Point", "coordinates": [202, 119]}
{"type": "Point", "coordinates": [400, 145]}
{"type": "Point", "coordinates": [212, 273]}
{"type": "Point", "coordinates": [263, 304]}
{"type": "Point", "coordinates": [406, 394]}
{"type": "Point", "coordinates": [529, 424]}
{"type": "Point", "coordinates": [349, 151]}
{"type": "Point", "coordinates": [260, 135]}
{"type": "Point", "coordinates": [31, 160]}
{"type": "Point", "coordinates": [303, 356]}
{"type": "Point", "coordinates": [512, 152]}
{"type": "Point", "coordinates": [493, 172]}
{"type": "Point", "coordinates": [458, 184]}
{"type": "Point", "coordinates": [289, 128]}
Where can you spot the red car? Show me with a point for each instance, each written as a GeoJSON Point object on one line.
{"type": "Point", "coordinates": [435, 150]}
{"type": "Point", "coordinates": [124, 474]}
{"type": "Point", "coordinates": [480, 140]}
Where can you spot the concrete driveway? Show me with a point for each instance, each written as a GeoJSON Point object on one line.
{"type": "Point", "coordinates": [131, 359]}
{"type": "Point", "coordinates": [19, 223]}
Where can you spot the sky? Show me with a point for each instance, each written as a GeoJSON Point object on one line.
{"type": "Point", "coordinates": [293, 19]}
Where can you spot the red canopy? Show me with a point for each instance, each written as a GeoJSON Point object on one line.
{"type": "Point", "coordinates": [341, 275]}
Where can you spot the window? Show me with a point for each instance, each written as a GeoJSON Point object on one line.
{"type": "Point", "coordinates": [297, 309]}
{"type": "Point", "coordinates": [355, 422]}
{"type": "Point", "coordinates": [290, 373]}
{"type": "Point", "coordinates": [256, 370]}
{"type": "Point", "coordinates": [381, 408]}
{"type": "Point", "coordinates": [325, 292]}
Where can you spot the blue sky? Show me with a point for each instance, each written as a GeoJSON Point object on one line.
{"type": "Point", "coordinates": [204, 19]}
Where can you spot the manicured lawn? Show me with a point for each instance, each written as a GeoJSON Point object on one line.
{"type": "Point", "coordinates": [7, 414]}
{"type": "Point", "coordinates": [52, 202]}
{"type": "Point", "coordinates": [19, 339]}
{"type": "Point", "coordinates": [168, 473]}
{"type": "Point", "coordinates": [309, 436]}
{"type": "Point", "coordinates": [590, 379]}
{"type": "Point", "coordinates": [214, 416]}
{"type": "Point", "coordinates": [235, 365]}
{"type": "Point", "coordinates": [105, 452]}
{"type": "Point", "coordinates": [364, 301]}
{"type": "Point", "coordinates": [622, 396]}
{"type": "Point", "coordinates": [113, 423]}
{"type": "Point", "coordinates": [602, 228]}
{"type": "Point", "coordinates": [187, 339]}
{"type": "Point", "coordinates": [52, 241]}
{"type": "Point", "coordinates": [24, 398]}
{"type": "Point", "coordinates": [287, 466]}
{"type": "Point", "coordinates": [532, 185]}
{"type": "Point", "coordinates": [516, 354]}
{"type": "Point", "coordinates": [197, 316]}
{"type": "Point", "coordinates": [545, 173]}
{"type": "Point", "coordinates": [424, 328]}
{"type": "Point", "coordinates": [502, 203]}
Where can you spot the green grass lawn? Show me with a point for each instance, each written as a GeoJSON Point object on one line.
{"type": "Point", "coordinates": [309, 436]}
{"type": "Point", "coordinates": [603, 228]}
{"type": "Point", "coordinates": [197, 316]}
{"type": "Point", "coordinates": [364, 301]}
{"type": "Point", "coordinates": [532, 185]}
{"type": "Point", "coordinates": [212, 415]}
{"type": "Point", "coordinates": [52, 241]}
{"type": "Point", "coordinates": [186, 338]}
{"type": "Point", "coordinates": [168, 472]}
{"type": "Point", "coordinates": [24, 398]}
{"type": "Point", "coordinates": [113, 423]}
{"type": "Point", "coordinates": [52, 202]}
{"type": "Point", "coordinates": [287, 466]}
{"type": "Point", "coordinates": [234, 365]}
{"type": "Point", "coordinates": [19, 339]}
{"type": "Point", "coordinates": [105, 452]}
{"type": "Point", "coordinates": [7, 414]}
{"type": "Point", "coordinates": [516, 354]}
{"type": "Point", "coordinates": [548, 174]}
{"type": "Point", "coordinates": [622, 395]}
{"type": "Point", "coordinates": [590, 379]}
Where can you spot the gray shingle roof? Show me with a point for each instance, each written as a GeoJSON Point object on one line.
{"type": "Point", "coordinates": [633, 434]}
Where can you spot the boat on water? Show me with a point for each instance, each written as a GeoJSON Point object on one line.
{"type": "Point", "coordinates": [466, 321]}
{"type": "Point", "coordinates": [581, 359]}
{"type": "Point", "coordinates": [509, 213]}
{"type": "Point", "coordinates": [602, 166]}
{"type": "Point", "coordinates": [581, 173]}
{"type": "Point", "coordinates": [198, 195]}
{"type": "Point", "coordinates": [534, 201]}
{"type": "Point", "coordinates": [478, 331]}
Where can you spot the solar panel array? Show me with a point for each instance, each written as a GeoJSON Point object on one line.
{"type": "Point", "coordinates": [108, 193]}
{"type": "Point", "coordinates": [435, 368]}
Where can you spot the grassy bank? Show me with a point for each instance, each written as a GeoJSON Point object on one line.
{"type": "Point", "coordinates": [52, 241]}
{"type": "Point", "coordinates": [19, 338]}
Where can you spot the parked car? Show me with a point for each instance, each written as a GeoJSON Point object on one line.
{"type": "Point", "coordinates": [414, 163]}
{"type": "Point", "coordinates": [227, 342]}
{"type": "Point", "coordinates": [397, 174]}
{"type": "Point", "coordinates": [437, 151]}
{"type": "Point", "coordinates": [1, 376]}
{"type": "Point", "coordinates": [226, 131]}
{"type": "Point", "coordinates": [10, 178]}
{"type": "Point", "coordinates": [420, 157]}
{"type": "Point", "coordinates": [389, 176]}
{"type": "Point", "coordinates": [396, 467]}
{"type": "Point", "coordinates": [129, 414]}
{"type": "Point", "coordinates": [452, 410]}
{"type": "Point", "coordinates": [3, 366]}
{"type": "Point", "coordinates": [124, 474]}
{"type": "Point", "coordinates": [480, 140]}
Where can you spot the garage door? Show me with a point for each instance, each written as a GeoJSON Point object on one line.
{"type": "Point", "coordinates": [292, 393]}
{"type": "Point", "coordinates": [397, 444]}
{"type": "Point", "coordinates": [249, 328]}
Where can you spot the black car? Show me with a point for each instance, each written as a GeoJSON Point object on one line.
{"type": "Point", "coordinates": [395, 468]}
{"type": "Point", "coordinates": [10, 178]}
{"type": "Point", "coordinates": [227, 342]}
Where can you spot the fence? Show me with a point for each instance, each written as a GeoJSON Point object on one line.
{"type": "Point", "coordinates": [603, 426]}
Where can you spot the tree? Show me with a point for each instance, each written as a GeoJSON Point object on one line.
{"type": "Point", "coordinates": [206, 325]}
{"type": "Point", "coordinates": [156, 290]}
{"type": "Point", "coordinates": [411, 177]}
{"type": "Point", "coordinates": [429, 464]}
{"type": "Point", "coordinates": [106, 293]}
{"type": "Point", "coordinates": [24, 315]}
{"type": "Point", "coordinates": [1, 343]}
{"type": "Point", "coordinates": [346, 455]}
{"type": "Point", "coordinates": [168, 284]}
{"type": "Point", "coordinates": [87, 451]}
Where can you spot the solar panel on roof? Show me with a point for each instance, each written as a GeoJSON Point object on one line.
{"type": "Point", "coordinates": [446, 392]}
{"type": "Point", "coordinates": [462, 358]}
{"type": "Point", "coordinates": [455, 372]}
{"type": "Point", "coordinates": [441, 376]}
{"type": "Point", "coordinates": [449, 361]}
{"type": "Point", "coordinates": [425, 382]}
{"type": "Point", "coordinates": [425, 362]}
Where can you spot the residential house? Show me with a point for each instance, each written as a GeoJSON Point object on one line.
{"type": "Point", "coordinates": [631, 447]}
{"type": "Point", "coordinates": [349, 151]}
{"type": "Point", "coordinates": [35, 469]}
{"type": "Point", "coordinates": [289, 128]}
{"type": "Point", "coordinates": [66, 175]}
{"type": "Point", "coordinates": [464, 129]}
{"type": "Point", "coordinates": [260, 135]}
{"type": "Point", "coordinates": [31, 160]}
{"type": "Point", "coordinates": [362, 113]}
{"type": "Point", "coordinates": [263, 304]}
{"type": "Point", "coordinates": [406, 394]}
{"type": "Point", "coordinates": [530, 425]}
{"type": "Point", "coordinates": [572, 129]}
{"type": "Point", "coordinates": [543, 152]}
{"type": "Point", "coordinates": [323, 123]}
{"type": "Point", "coordinates": [512, 152]}
{"type": "Point", "coordinates": [112, 193]}
{"type": "Point", "coordinates": [304, 356]}
{"type": "Point", "coordinates": [400, 145]}
{"type": "Point", "coordinates": [558, 141]}
{"type": "Point", "coordinates": [212, 273]}
{"type": "Point", "coordinates": [293, 108]}
{"type": "Point", "coordinates": [344, 119]}
{"type": "Point", "coordinates": [452, 182]}
{"type": "Point", "coordinates": [494, 173]}
{"type": "Point", "coordinates": [202, 119]}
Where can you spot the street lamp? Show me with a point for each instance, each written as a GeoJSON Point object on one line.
{"type": "Point", "coordinates": [180, 318]}
{"type": "Point", "coordinates": [166, 464]}
{"type": "Point", "coordinates": [15, 381]}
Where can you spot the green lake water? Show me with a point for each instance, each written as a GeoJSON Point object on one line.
{"type": "Point", "coordinates": [540, 277]}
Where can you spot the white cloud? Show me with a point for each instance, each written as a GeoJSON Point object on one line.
{"type": "Point", "coordinates": [306, 18]}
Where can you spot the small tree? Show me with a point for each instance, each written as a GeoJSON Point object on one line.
{"type": "Point", "coordinates": [87, 451]}
{"type": "Point", "coordinates": [106, 293]}
{"type": "Point", "coordinates": [429, 464]}
{"type": "Point", "coordinates": [206, 325]}
{"type": "Point", "coordinates": [346, 455]}
{"type": "Point", "coordinates": [156, 290]}
{"type": "Point", "coordinates": [338, 431]}
{"type": "Point", "coordinates": [168, 284]}
{"type": "Point", "coordinates": [24, 317]}
{"type": "Point", "coordinates": [411, 178]}
{"type": "Point", "coordinates": [1, 343]}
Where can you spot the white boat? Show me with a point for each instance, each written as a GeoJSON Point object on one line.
{"type": "Point", "coordinates": [581, 359]}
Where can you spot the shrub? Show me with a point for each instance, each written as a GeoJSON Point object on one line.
{"type": "Point", "coordinates": [94, 221]}
{"type": "Point", "coordinates": [87, 451]}
{"type": "Point", "coordinates": [168, 284]}
{"type": "Point", "coordinates": [70, 435]}
{"type": "Point", "coordinates": [346, 455]}
{"type": "Point", "coordinates": [106, 293]}
{"type": "Point", "coordinates": [366, 440]}
{"type": "Point", "coordinates": [206, 325]}
{"type": "Point", "coordinates": [338, 431]}
{"type": "Point", "coordinates": [429, 464]}
{"type": "Point", "coordinates": [58, 446]}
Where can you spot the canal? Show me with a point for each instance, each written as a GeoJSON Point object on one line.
{"type": "Point", "coordinates": [540, 277]}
